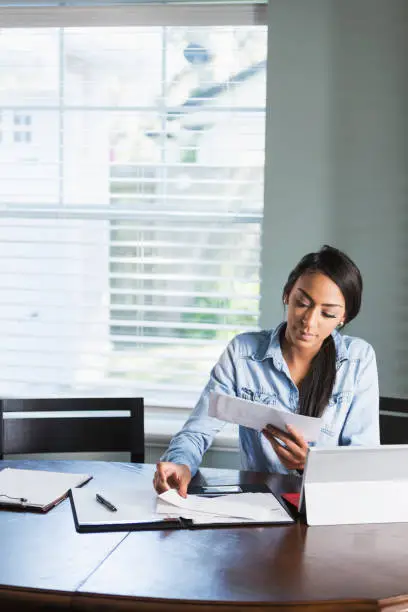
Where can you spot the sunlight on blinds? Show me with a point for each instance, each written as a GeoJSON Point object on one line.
{"type": "Point", "coordinates": [131, 186]}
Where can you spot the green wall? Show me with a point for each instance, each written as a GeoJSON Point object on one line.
{"type": "Point", "coordinates": [336, 170]}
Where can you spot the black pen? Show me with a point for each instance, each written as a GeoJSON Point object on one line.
{"type": "Point", "coordinates": [105, 503]}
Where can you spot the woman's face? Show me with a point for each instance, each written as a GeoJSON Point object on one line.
{"type": "Point", "coordinates": [315, 307]}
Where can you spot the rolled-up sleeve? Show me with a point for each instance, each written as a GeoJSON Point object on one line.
{"type": "Point", "coordinates": [189, 445]}
{"type": "Point", "coordinates": [361, 426]}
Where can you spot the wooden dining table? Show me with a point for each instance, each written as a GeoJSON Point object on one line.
{"type": "Point", "coordinates": [46, 565]}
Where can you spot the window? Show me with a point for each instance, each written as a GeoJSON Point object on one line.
{"type": "Point", "coordinates": [21, 119]}
{"type": "Point", "coordinates": [22, 136]}
{"type": "Point", "coordinates": [21, 124]}
{"type": "Point", "coordinates": [130, 238]}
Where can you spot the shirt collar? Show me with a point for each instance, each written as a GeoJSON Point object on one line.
{"type": "Point", "coordinates": [270, 348]}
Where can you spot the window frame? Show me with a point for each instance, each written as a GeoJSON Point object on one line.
{"type": "Point", "coordinates": [150, 14]}
{"type": "Point", "coordinates": [161, 421]}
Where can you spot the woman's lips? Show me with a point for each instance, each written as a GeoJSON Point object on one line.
{"type": "Point", "coordinates": [306, 335]}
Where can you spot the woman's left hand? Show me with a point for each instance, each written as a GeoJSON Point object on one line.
{"type": "Point", "coordinates": [293, 453]}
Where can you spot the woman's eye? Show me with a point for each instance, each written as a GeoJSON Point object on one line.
{"type": "Point", "coordinates": [328, 315]}
{"type": "Point", "coordinates": [301, 304]}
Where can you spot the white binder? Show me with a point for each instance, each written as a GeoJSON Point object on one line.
{"type": "Point", "coordinates": [353, 484]}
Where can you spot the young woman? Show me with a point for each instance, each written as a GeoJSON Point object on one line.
{"type": "Point", "coordinates": [304, 365]}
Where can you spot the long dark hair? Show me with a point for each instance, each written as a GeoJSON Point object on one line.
{"type": "Point", "coordinates": [317, 386]}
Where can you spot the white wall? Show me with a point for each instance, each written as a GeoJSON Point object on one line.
{"type": "Point", "coordinates": [337, 158]}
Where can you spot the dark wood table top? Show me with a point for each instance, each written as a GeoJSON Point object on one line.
{"type": "Point", "coordinates": [242, 568]}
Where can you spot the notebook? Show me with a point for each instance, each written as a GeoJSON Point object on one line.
{"type": "Point", "coordinates": [144, 510]}
{"type": "Point", "coordinates": [36, 489]}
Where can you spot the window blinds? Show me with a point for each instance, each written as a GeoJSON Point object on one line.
{"type": "Point", "coordinates": [131, 188]}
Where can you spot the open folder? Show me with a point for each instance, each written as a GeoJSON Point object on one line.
{"type": "Point", "coordinates": [36, 489]}
{"type": "Point", "coordinates": [144, 510]}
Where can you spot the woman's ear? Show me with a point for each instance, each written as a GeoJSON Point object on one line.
{"type": "Point", "coordinates": [285, 299]}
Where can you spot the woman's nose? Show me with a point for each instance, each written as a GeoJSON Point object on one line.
{"type": "Point", "coordinates": [310, 317]}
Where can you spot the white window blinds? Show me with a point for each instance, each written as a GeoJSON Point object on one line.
{"type": "Point", "coordinates": [131, 190]}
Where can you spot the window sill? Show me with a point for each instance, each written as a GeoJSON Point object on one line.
{"type": "Point", "coordinates": [161, 425]}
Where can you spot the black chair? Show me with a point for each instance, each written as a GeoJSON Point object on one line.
{"type": "Point", "coordinates": [393, 420]}
{"type": "Point", "coordinates": [93, 432]}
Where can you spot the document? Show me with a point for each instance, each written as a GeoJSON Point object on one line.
{"type": "Point", "coordinates": [142, 510]}
{"type": "Point", "coordinates": [257, 416]}
{"type": "Point", "coordinates": [36, 489]}
{"type": "Point", "coordinates": [135, 510]}
{"type": "Point", "coordinates": [257, 507]}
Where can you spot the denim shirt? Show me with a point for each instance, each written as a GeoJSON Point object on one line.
{"type": "Point", "coordinates": [252, 367]}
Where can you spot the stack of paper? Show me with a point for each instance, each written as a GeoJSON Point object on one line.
{"type": "Point", "coordinates": [138, 510]}
{"type": "Point", "coordinates": [242, 507]}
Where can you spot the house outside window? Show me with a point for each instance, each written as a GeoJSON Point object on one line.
{"type": "Point", "coordinates": [22, 127]}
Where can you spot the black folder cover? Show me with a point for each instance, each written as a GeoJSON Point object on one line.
{"type": "Point", "coordinates": [166, 523]}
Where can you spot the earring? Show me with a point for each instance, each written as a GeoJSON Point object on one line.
{"type": "Point", "coordinates": [340, 325]}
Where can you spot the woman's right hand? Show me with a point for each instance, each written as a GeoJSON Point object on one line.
{"type": "Point", "coordinates": [172, 476]}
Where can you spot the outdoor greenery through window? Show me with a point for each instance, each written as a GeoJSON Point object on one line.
{"type": "Point", "coordinates": [131, 195]}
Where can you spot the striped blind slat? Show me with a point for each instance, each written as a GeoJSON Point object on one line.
{"type": "Point", "coordinates": [131, 201]}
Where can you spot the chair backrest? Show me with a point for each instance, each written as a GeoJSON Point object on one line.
{"type": "Point", "coordinates": [393, 420]}
{"type": "Point", "coordinates": [45, 425]}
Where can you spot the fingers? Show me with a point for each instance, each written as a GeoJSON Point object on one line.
{"type": "Point", "coordinates": [287, 458]}
{"type": "Point", "coordinates": [171, 476]}
{"type": "Point", "coordinates": [184, 477]}
{"type": "Point", "coordinates": [183, 486]}
{"type": "Point", "coordinates": [160, 478]}
{"type": "Point", "coordinates": [293, 432]}
{"type": "Point", "coordinates": [285, 436]}
{"type": "Point", "coordinates": [293, 451]}
{"type": "Point", "coordinates": [293, 440]}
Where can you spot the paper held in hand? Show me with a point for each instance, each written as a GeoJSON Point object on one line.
{"type": "Point", "coordinates": [257, 416]}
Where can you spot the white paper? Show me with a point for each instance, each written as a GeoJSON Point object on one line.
{"type": "Point", "coordinates": [39, 487]}
{"type": "Point", "coordinates": [257, 416]}
{"type": "Point", "coordinates": [133, 506]}
{"type": "Point", "coordinates": [144, 506]}
{"type": "Point", "coordinates": [199, 518]}
{"type": "Point", "coordinates": [262, 507]}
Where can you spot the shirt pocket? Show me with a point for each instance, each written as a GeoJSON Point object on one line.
{"type": "Point", "coordinates": [260, 396]}
{"type": "Point", "coordinates": [335, 413]}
